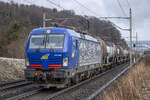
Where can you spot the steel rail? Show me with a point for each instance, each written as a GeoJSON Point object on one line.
{"type": "Point", "coordinates": [24, 95]}
{"type": "Point", "coordinates": [91, 97]}
{"type": "Point", "coordinates": [7, 83]}
{"type": "Point", "coordinates": [77, 85]}
{"type": "Point", "coordinates": [14, 84]}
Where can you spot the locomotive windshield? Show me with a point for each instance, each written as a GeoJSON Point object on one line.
{"type": "Point", "coordinates": [55, 41]}
{"type": "Point", "coordinates": [37, 41]}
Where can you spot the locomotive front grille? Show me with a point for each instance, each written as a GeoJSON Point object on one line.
{"type": "Point", "coordinates": [50, 63]}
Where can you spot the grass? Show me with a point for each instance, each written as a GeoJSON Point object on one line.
{"type": "Point", "coordinates": [130, 85]}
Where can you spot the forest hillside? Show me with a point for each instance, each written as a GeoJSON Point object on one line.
{"type": "Point", "coordinates": [16, 22]}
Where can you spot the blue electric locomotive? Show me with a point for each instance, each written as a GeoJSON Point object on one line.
{"type": "Point", "coordinates": [58, 57]}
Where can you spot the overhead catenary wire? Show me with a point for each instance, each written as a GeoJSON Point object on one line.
{"type": "Point", "coordinates": [57, 5]}
{"type": "Point", "coordinates": [30, 2]}
{"type": "Point", "coordinates": [121, 7]}
{"type": "Point", "coordinates": [83, 6]}
{"type": "Point", "coordinates": [118, 17]}
{"type": "Point", "coordinates": [78, 8]}
{"type": "Point", "coordinates": [120, 27]}
{"type": "Point", "coordinates": [128, 3]}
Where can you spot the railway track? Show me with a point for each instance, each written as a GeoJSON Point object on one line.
{"type": "Point", "coordinates": [85, 90]}
{"type": "Point", "coordinates": [25, 94]}
{"type": "Point", "coordinates": [96, 93]}
{"type": "Point", "coordinates": [79, 91]}
{"type": "Point", "coordinates": [13, 84]}
{"type": "Point", "coordinates": [14, 88]}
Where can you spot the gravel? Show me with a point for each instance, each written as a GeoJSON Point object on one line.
{"type": "Point", "coordinates": [11, 69]}
{"type": "Point", "coordinates": [15, 91]}
{"type": "Point", "coordinates": [86, 90]}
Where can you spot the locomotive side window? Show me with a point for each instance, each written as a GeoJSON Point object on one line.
{"type": "Point", "coordinates": [76, 44]}
{"type": "Point", "coordinates": [37, 41]}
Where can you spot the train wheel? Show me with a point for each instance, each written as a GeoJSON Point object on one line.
{"type": "Point", "coordinates": [68, 82]}
{"type": "Point", "coordinates": [76, 79]}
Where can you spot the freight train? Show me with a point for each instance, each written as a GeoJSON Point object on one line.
{"type": "Point", "coordinates": [59, 57]}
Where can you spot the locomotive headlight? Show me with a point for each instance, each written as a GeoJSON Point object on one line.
{"type": "Point", "coordinates": [48, 31]}
{"type": "Point", "coordinates": [65, 61]}
{"type": "Point", "coordinates": [27, 63]}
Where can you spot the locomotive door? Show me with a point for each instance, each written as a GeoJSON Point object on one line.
{"type": "Point", "coordinates": [75, 51]}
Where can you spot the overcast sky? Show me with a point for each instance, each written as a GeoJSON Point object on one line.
{"type": "Point", "coordinates": [100, 8]}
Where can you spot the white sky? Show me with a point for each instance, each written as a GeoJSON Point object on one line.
{"type": "Point", "coordinates": [140, 9]}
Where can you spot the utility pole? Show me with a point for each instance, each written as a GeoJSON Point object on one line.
{"type": "Point", "coordinates": [130, 29]}
{"type": "Point", "coordinates": [136, 45]}
{"type": "Point", "coordinates": [136, 40]}
{"type": "Point", "coordinates": [130, 21]}
{"type": "Point", "coordinates": [44, 19]}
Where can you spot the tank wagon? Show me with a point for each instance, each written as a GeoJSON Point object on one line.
{"type": "Point", "coordinates": [113, 55]}
{"type": "Point", "coordinates": [59, 57]}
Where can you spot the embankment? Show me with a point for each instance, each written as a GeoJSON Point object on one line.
{"type": "Point", "coordinates": [11, 69]}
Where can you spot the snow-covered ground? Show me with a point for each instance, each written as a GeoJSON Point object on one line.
{"type": "Point", "coordinates": [11, 69]}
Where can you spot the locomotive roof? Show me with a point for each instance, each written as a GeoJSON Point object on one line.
{"type": "Point", "coordinates": [62, 30]}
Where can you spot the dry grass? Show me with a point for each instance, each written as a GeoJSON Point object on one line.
{"type": "Point", "coordinates": [130, 86]}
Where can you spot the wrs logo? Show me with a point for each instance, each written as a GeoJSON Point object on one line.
{"type": "Point", "coordinates": [45, 56]}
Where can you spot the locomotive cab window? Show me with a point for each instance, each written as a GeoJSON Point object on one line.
{"type": "Point", "coordinates": [54, 41]}
{"type": "Point", "coordinates": [37, 41]}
